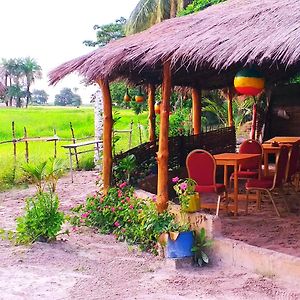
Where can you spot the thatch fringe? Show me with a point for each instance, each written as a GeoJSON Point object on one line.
{"type": "Point", "coordinates": [206, 49]}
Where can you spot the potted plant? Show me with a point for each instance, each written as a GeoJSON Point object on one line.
{"type": "Point", "coordinates": [185, 189]}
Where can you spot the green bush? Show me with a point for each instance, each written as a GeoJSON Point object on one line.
{"type": "Point", "coordinates": [129, 218]}
{"type": "Point", "coordinates": [42, 220]}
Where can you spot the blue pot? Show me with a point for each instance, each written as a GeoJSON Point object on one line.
{"type": "Point", "coordinates": [182, 246]}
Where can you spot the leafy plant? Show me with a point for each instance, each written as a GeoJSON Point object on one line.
{"type": "Point", "coordinates": [199, 248]}
{"type": "Point", "coordinates": [36, 174]}
{"type": "Point", "coordinates": [55, 168]}
{"type": "Point", "coordinates": [184, 188]}
{"type": "Point", "coordinates": [124, 168]}
{"type": "Point", "coordinates": [129, 218]}
{"type": "Point", "coordinates": [42, 219]}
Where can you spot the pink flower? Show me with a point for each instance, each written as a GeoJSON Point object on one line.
{"type": "Point", "coordinates": [74, 229]}
{"type": "Point", "coordinates": [101, 200]}
{"type": "Point", "coordinates": [122, 185]}
{"type": "Point", "coordinates": [122, 201]}
{"type": "Point", "coordinates": [120, 194]}
{"type": "Point", "coordinates": [120, 208]}
{"type": "Point", "coordinates": [131, 206]}
{"type": "Point", "coordinates": [117, 224]}
{"type": "Point", "coordinates": [175, 179]}
{"type": "Point", "coordinates": [85, 215]}
{"type": "Point", "coordinates": [113, 209]}
{"type": "Point", "coordinates": [183, 186]}
{"type": "Point", "coordinates": [154, 198]}
{"type": "Point", "coordinates": [128, 199]}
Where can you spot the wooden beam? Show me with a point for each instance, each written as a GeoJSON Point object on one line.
{"type": "Point", "coordinates": [229, 105]}
{"type": "Point", "coordinates": [107, 134]}
{"type": "Point", "coordinates": [163, 150]}
{"type": "Point", "coordinates": [151, 116]}
{"type": "Point", "coordinates": [196, 100]}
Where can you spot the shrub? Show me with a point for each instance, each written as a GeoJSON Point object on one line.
{"type": "Point", "coordinates": [129, 218]}
{"type": "Point", "coordinates": [41, 221]}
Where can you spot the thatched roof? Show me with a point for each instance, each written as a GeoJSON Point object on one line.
{"type": "Point", "coordinates": [206, 49]}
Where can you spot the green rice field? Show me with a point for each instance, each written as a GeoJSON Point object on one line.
{"type": "Point", "coordinates": [41, 122]}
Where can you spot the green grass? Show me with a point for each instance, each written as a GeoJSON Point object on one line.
{"type": "Point", "coordinates": [40, 122]}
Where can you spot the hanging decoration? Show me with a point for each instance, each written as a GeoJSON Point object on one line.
{"type": "Point", "coordinates": [127, 98]}
{"type": "Point", "coordinates": [139, 98]}
{"type": "Point", "coordinates": [157, 107]}
{"type": "Point", "coordinates": [249, 82]}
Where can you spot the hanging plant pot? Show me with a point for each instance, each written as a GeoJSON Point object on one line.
{"type": "Point", "coordinates": [157, 107]}
{"type": "Point", "coordinates": [139, 98]}
{"type": "Point", "coordinates": [249, 82]}
{"type": "Point", "coordinates": [180, 244]}
{"type": "Point", "coordinates": [194, 203]}
{"type": "Point", "coordinates": [126, 96]}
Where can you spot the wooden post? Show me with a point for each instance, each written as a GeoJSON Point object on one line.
{"type": "Point", "coordinates": [196, 99]}
{"type": "Point", "coordinates": [151, 116]}
{"type": "Point", "coordinates": [14, 140]}
{"type": "Point", "coordinates": [107, 134]}
{"type": "Point", "coordinates": [130, 135]}
{"type": "Point", "coordinates": [229, 105]}
{"type": "Point", "coordinates": [163, 150]}
{"type": "Point", "coordinates": [254, 119]}
{"type": "Point", "coordinates": [26, 146]}
{"type": "Point", "coordinates": [74, 142]}
{"type": "Point", "coordinates": [55, 143]}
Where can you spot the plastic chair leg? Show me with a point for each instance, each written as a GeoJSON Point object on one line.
{"type": "Point", "coordinates": [272, 199]}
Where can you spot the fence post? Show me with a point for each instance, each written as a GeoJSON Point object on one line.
{"type": "Point", "coordinates": [130, 135]}
{"type": "Point", "coordinates": [74, 142]}
{"type": "Point", "coordinates": [26, 146]}
{"type": "Point", "coordinates": [55, 143]}
{"type": "Point", "coordinates": [14, 140]}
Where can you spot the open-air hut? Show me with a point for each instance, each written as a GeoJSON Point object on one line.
{"type": "Point", "coordinates": [201, 51]}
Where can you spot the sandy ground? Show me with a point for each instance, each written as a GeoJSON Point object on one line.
{"type": "Point", "coordinates": [87, 265]}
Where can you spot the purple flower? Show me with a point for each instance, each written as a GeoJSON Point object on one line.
{"type": "Point", "coordinates": [175, 179]}
{"type": "Point", "coordinates": [154, 198]}
{"type": "Point", "coordinates": [183, 186]}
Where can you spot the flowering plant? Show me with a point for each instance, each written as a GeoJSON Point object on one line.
{"type": "Point", "coordinates": [184, 188]}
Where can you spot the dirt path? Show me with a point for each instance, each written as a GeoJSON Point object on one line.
{"type": "Point", "coordinates": [87, 265]}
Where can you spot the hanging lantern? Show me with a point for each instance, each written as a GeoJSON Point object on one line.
{"type": "Point", "coordinates": [139, 98]}
{"type": "Point", "coordinates": [157, 107]}
{"type": "Point", "coordinates": [249, 82]}
{"type": "Point", "coordinates": [126, 96]}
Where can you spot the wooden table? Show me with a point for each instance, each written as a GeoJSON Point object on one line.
{"type": "Point", "coordinates": [284, 140]}
{"type": "Point", "coordinates": [233, 159]}
{"type": "Point", "coordinates": [73, 151]}
{"type": "Point", "coordinates": [268, 149]}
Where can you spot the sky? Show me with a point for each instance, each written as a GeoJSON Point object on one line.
{"type": "Point", "coordinates": [52, 32]}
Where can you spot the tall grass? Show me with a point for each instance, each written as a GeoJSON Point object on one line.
{"type": "Point", "coordinates": [40, 122]}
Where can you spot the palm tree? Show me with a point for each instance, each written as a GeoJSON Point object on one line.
{"type": "Point", "coordinates": [149, 12]}
{"type": "Point", "coordinates": [31, 70]}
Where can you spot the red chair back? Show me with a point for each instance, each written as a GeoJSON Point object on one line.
{"type": "Point", "coordinates": [293, 161]}
{"type": "Point", "coordinates": [201, 167]}
{"type": "Point", "coordinates": [250, 147]}
{"type": "Point", "coordinates": [281, 165]}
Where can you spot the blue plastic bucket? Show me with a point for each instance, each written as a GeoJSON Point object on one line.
{"type": "Point", "coordinates": [182, 246]}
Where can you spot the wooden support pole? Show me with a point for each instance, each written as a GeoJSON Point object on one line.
{"type": "Point", "coordinates": [151, 116]}
{"type": "Point", "coordinates": [26, 146]}
{"type": "Point", "coordinates": [229, 105]}
{"type": "Point", "coordinates": [163, 149]}
{"type": "Point", "coordinates": [107, 134]}
{"type": "Point", "coordinates": [196, 100]}
{"type": "Point", "coordinates": [74, 142]}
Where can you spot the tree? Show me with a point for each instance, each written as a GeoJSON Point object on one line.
{"type": "Point", "coordinates": [31, 70]}
{"type": "Point", "coordinates": [150, 12]}
{"type": "Point", "coordinates": [67, 97]}
{"type": "Point", "coordinates": [107, 33]}
{"type": "Point", "coordinates": [18, 74]}
{"type": "Point", "coordinates": [198, 5]}
{"type": "Point", "coordinates": [39, 97]}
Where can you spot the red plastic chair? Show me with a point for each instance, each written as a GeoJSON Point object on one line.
{"type": "Point", "coordinates": [201, 167]}
{"type": "Point", "coordinates": [269, 183]}
{"type": "Point", "coordinates": [251, 169]}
